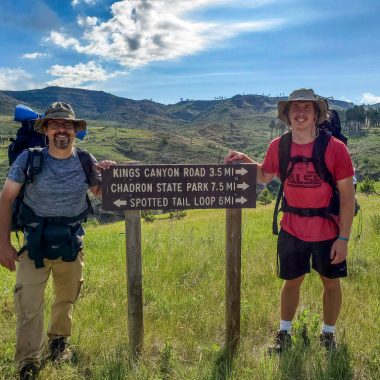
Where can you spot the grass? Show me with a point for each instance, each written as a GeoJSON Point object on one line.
{"type": "Point", "coordinates": [184, 285]}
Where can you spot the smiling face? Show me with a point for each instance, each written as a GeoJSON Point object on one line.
{"type": "Point", "coordinates": [61, 133]}
{"type": "Point", "coordinates": [302, 115]}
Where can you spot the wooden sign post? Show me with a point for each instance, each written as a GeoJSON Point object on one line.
{"type": "Point", "coordinates": [164, 187]}
{"type": "Point", "coordinates": [134, 281]}
{"type": "Point", "coordinates": [233, 279]}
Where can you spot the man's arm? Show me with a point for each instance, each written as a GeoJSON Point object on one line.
{"type": "Point", "coordinates": [339, 250]}
{"type": "Point", "coordinates": [8, 254]}
{"type": "Point", "coordinates": [262, 176]}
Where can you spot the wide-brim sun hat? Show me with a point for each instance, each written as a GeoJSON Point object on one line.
{"type": "Point", "coordinates": [59, 111]}
{"type": "Point", "coordinates": [305, 95]}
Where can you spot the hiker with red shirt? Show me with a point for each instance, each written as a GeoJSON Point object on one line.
{"type": "Point", "coordinates": [323, 239]}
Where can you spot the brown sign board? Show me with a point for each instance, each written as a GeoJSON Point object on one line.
{"type": "Point", "coordinates": [167, 187]}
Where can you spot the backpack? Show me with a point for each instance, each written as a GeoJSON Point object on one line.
{"type": "Point", "coordinates": [26, 138]}
{"type": "Point", "coordinates": [333, 125]}
{"type": "Point", "coordinates": [318, 160]}
{"type": "Point", "coordinates": [34, 167]}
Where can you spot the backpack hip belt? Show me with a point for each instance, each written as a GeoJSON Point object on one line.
{"type": "Point", "coordinates": [51, 237]}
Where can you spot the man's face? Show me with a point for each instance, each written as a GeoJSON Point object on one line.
{"type": "Point", "coordinates": [302, 115]}
{"type": "Point", "coordinates": [61, 133]}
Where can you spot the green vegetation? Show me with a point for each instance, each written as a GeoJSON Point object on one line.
{"type": "Point", "coordinates": [184, 285]}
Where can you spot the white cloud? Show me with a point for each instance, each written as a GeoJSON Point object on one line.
{"type": "Point", "coordinates": [15, 79]}
{"type": "Point", "coordinates": [142, 31]}
{"type": "Point", "coordinates": [80, 74]}
{"type": "Point", "coordinates": [368, 98]}
{"type": "Point", "coordinates": [87, 21]}
{"type": "Point", "coordinates": [34, 55]}
{"type": "Point", "coordinates": [74, 3]}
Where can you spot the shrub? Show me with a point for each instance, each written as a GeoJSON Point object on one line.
{"type": "Point", "coordinates": [265, 197]}
{"type": "Point", "coordinates": [147, 215]}
{"type": "Point", "coordinates": [367, 186]}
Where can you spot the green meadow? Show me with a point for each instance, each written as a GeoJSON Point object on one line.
{"type": "Point", "coordinates": [184, 306]}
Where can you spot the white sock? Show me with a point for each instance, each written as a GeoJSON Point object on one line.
{"type": "Point", "coordinates": [328, 329]}
{"type": "Point", "coordinates": [286, 325]}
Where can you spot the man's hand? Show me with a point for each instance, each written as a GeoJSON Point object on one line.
{"type": "Point", "coordinates": [8, 257]}
{"type": "Point", "coordinates": [338, 251]}
{"type": "Point", "coordinates": [236, 156]}
{"type": "Point", "coordinates": [105, 164]}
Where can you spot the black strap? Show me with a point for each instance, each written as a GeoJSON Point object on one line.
{"type": "Point", "coordinates": [88, 168]}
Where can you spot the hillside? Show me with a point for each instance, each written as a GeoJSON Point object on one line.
{"type": "Point", "coordinates": [99, 105]}
{"type": "Point", "coordinates": [192, 131]}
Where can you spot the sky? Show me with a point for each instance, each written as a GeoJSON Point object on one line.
{"type": "Point", "coordinates": [166, 50]}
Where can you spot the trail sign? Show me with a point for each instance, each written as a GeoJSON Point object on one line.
{"type": "Point", "coordinates": [160, 187]}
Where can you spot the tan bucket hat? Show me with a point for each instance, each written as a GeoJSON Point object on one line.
{"type": "Point", "coordinates": [59, 111]}
{"type": "Point", "coordinates": [303, 94]}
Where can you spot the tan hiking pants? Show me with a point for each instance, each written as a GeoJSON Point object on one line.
{"type": "Point", "coordinates": [29, 304]}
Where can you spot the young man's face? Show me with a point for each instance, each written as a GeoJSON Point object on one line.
{"type": "Point", "coordinates": [61, 133]}
{"type": "Point", "coordinates": [302, 115]}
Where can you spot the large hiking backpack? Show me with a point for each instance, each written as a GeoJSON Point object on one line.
{"type": "Point", "coordinates": [34, 167]}
{"type": "Point", "coordinates": [26, 136]}
{"type": "Point", "coordinates": [333, 125]}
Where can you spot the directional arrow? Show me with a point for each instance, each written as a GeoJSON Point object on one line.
{"type": "Point", "coordinates": [242, 186]}
{"type": "Point", "coordinates": [240, 200]}
{"type": "Point", "coordinates": [120, 202]}
{"type": "Point", "coordinates": [241, 171]}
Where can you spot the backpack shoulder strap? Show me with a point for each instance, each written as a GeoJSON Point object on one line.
{"type": "Point", "coordinates": [284, 154]}
{"type": "Point", "coordinates": [283, 159]}
{"type": "Point", "coordinates": [88, 168]}
{"type": "Point", "coordinates": [318, 156]}
{"type": "Point", "coordinates": [34, 165]}
{"type": "Point", "coordinates": [87, 163]}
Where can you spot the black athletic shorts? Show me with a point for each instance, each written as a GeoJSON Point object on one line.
{"type": "Point", "coordinates": [294, 257]}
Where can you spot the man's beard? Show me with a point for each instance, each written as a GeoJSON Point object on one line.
{"type": "Point", "coordinates": [62, 143]}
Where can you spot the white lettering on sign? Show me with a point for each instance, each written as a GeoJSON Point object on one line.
{"type": "Point", "coordinates": [226, 201]}
{"type": "Point", "coordinates": [132, 188]}
{"type": "Point", "coordinates": [126, 172]}
{"type": "Point", "coordinates": [169, 187]}
{"type": "Point", "coordinates": [149, 202]}
{"type": "Point", "coordinates": [196, 186]}
{"type": "Point", "coordinates": [180, 202]}
{"type": "Point", "coordinates": [161, 172]}
{"type": "Point", "coordinates": [194, 172]}
{"type": "Point", "coordinates": [220, 172]}
{"type": "Point", "coordinates": [204, 201]}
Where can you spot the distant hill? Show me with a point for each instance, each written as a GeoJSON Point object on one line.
{"type": "Point", "coordinates": [99, 105]}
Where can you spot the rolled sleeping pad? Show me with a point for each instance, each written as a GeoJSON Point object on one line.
{"type": "Point", "coordinates": [24, 113]}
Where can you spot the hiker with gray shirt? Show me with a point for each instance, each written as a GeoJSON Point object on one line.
{"type": "Point", "coordinates": [54, 204]}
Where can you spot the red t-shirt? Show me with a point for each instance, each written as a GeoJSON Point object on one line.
{"type": "Point", "coordinates": [305, 189]}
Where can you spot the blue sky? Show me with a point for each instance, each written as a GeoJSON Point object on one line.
{"type": "Point", "coordinates": [165, 50]}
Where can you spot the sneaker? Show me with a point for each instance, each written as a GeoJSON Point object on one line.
{"type": "Point", "coordinates": [29, 372]}
{"type": "Point", "coordinates": [59, 350]}
{"type": "Point", "coordinates": [327, 340]}
{"type": "Point", "coordinates": [282, 342]}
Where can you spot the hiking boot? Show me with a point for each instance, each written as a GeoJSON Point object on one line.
{"type": "Point", "coordinates": [282, 342]}
{"type": "Point", "coordinates": [29, 372]}
{"type": "Point", "coordinates": [59, 351]}
{"type": "Point", "coordinates": [327, 340]}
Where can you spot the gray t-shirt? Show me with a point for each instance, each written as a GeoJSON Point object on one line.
{"type": "Point", "coordinates": [60, 189]}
